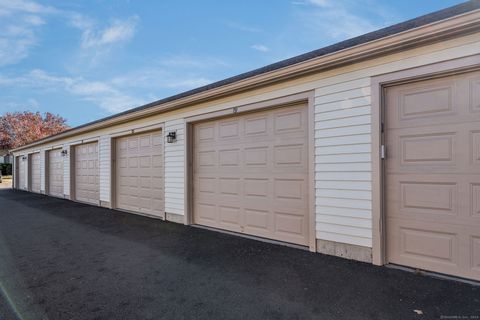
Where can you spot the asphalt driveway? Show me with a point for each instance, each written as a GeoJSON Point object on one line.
{"type": "Point", "coordinates": [64, 260]}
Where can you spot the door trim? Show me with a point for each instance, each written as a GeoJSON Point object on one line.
{"type": "Point", "coordinates": [113, 166]}
{"type": "Point", "coordinates": [47, 172]}
{"type": "Point", "coordinates": [30, 172]}
{"type": "Point", "coordinates": [304, 97]}
{"type": "Point", "coordinates": [72, 153]}
{"type": "Point", "coordinates": [378, 85]}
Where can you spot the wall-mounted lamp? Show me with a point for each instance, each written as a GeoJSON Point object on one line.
{"type": "Point", "coordinates": [64, 152]}
{"type": "Point", "coordinates": [24, 158]}
{"type": "Point", "coordinates": [171, 137]}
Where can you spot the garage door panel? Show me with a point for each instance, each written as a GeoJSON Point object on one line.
{"type": "Point", "coordinates": [290, 155]}
{"type": "Point", "coordinates": [257, 126]}
{"type": "Point", "coordinates": [257, 189]}
{"type": "Point", "coordinates": [55, 173]}
{"type": "Point", "coordinates": [205, 213]}
{"type": "Point", "coordinates": [257, 221]}
{"type": "Point", "coordinates": [157, 185]}
{"type": "Point", "coordinates": [433, 148]}
{"type": "Point", "coordinates": [475, 200]}
{"type": "Point", "coordinates": [229, 215]}
{"type": "Point", "coordinates": [475, 248]}
{"type": "Point", "coordinates": [86, 177]}
{"type": "Point", "coordinates": [415, 101]}
{"type": "Point", "coordinates": [445, 148]}
{"type": "Point", "coordinates": [35, 172]}
{"type": "Point", "coordinates": [250, 174]}
{"type": "Point", "coordinates": [287, 121]}
{"type": "Point", "coordinates": [228, 129]}
{"type": "Point", "coordinates": [432, 175]}
{"type": "Point", "coordinates": [475, 147]}
{"type": "Point", "coordinates": [448, 198]}
{"type": "Point", "coordinates": [290, 190]}
{"type": "Point", "coordinates": [469, 90]}
{"type": "Point", "coordinates": [438, 101]}
{"type": "Point", "coordinates": [22, 173]}
{"type": "Point", "coordinates": [431, 244]}
{"type": "Point", "coordinates": [434, 246]}
{"type": "Point", "coordinates": [429, 197]}
{"type": "Point", "coordinates": [140, 173]}
{"type": "Point", "coordinates": [290, 226]}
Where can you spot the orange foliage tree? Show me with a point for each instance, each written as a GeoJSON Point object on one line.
{"type": "Point", "coordinates": [20, 128]}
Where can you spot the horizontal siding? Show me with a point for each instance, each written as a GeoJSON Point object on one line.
{"type": "Point", "coordinates": [343, 140]}
{"type": "Point", "coordinates": [343, 165]}
{"type": "Point", "coordinates": [344, 158]}
{"type": "Point", "coordinates": [104, 167]}
{"type": "Point", "coordinates": [343, 113]}
{"type": "Point", "coordinates": [345, 212]}
{"type": "Point", "coordinates": [175, 168]}
{"type": "Point", "coordinates": [343, 193]}
{"type": "Point", "coordinates": [357, 166]}
{"type": "Point", "coordinates": [341, 96]}
{"type": "Point", "coordinates": [342, 131]}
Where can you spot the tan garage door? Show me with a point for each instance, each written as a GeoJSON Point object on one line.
{"type": "Point", "coordinates": [433, 175]}
{"type": "Point", "coordinates": [22, 173]}
{"type": "Point", "coordinates": [55, 173]}
{"type": "Point", "coordinates": [35, 172]}
{"type": "Point", "coordinates": [86, 173]}
{"type": "Point", "coordinates": [139, 174]}
{"type": "Point", "coordinates": [250, 174]}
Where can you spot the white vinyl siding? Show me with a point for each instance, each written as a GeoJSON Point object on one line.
{"type": "Point", "coordinates": [42, 171]}
{"type": "Point", "coordinates": [343, 165]}
{"type": "Point", "coordinates": [105, 159]}
{"type": "Point", "coordinates": [175, 168]}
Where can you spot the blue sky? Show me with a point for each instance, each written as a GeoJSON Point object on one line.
{"type": "Point", "coordinates": [88, 59]}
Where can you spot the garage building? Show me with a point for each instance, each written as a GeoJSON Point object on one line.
{"type": "Point", "coordinates": [368, 149]}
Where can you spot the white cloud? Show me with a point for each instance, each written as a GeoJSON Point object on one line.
{"type": "Point", "coordinates": [179, 72]}
{"type": "Point", "coordinates": [339, 19]}
{"type": "Point", "coordinates": [319, 3]}
{"type": "Point", "coordinates": [15, 43]}
{"type": "Point", "coordinates": [113, 95]}
{"type": "Point", "coordinates": [19, 24]}
{"type": "Point", "coordinates": [101, 93]}
{"type": "Point", "coordinates": [10, 6]}
{"type": "Point", "coordinates": [260, 47]}
{"type": "Point", "coordinates": [157, 79]}
{"type": "Point", "coordinates": [118, 31]}
{"type": "Point", "coordinates": [22, 19]}
{"type": "Point", "coordinates": [34, 20]}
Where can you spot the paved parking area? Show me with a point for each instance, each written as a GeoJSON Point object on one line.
{"type": "Point", "coordinates": [65, 260]}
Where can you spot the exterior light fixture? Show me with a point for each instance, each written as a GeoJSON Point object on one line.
{"type": "Point", "coordinates": [171, 137]}
{"type": "Point", "coordinates": [64, 152]}
{"type": "Point", "coordinates": [24, 158]}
